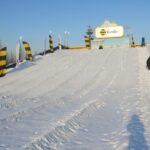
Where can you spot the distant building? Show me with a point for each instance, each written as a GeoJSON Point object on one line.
{"type": "Point", "coordinates": [110, 35]}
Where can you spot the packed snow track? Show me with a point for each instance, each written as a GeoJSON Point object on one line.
{"type": "Point", "coordinates": [77, 100]}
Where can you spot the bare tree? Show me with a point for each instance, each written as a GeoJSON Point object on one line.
{"type": "Point", "coordinates": [11, 58]}
{"type": "Point", "coordinates": [0, 44]}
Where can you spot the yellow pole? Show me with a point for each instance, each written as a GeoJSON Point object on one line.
{"type": "Point", "coordinates": [3, 53]}
{"type": "Point", "coordinates": [28, 50]}
{"type": "Point", "coordinates": [51, 43]}
{"type": "Point", "coordinates": [87, 42]}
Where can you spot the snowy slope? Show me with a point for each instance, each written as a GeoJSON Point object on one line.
{"type": "Point", "coordinates": [77, 100]}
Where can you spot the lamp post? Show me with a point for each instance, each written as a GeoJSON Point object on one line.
{"type": "Point", "coordinates": [129, 34]}
{"type": "Point", "coordinates": [65, 43]}
{"type": "Point", "coordinates": [89, 32]}
{"type": "Point", "coordinates": [0, 44]}
{"type": "Point", "coordinates": [45, 46]}
{"type": "Point", "coordinates": [66, 39]}
{"type": "Point", "coordinates": [20, 51]}
{"type": "Point", "coordinates": [50, 32]}
{"type": "Point", "coordinates": [59, 41]}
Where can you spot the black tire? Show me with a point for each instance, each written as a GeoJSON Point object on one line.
{"type": "Point", "coordinates": [100, 47]}
{"type": "Point", "coordinates": [148, 63]}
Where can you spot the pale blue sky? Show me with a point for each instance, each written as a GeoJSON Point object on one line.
{"type": "Point", "coordinates": [33, 19]}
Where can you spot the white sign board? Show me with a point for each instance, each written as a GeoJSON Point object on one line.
{"type": "Point", "coordinates": [109, 32]}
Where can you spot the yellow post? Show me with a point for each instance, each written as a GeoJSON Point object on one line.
{"type": "Point", "coordinates": [87, 42]}
{"type": "Point", "coordinates": [51, 43]}
{"type": "Point", "coordinates": [28, 50]}
{"type": "Point", "coordinates": [3, 54]}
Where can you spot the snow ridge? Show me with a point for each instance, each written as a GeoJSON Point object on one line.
{"type": "Point", "coordinates": [64, 128]}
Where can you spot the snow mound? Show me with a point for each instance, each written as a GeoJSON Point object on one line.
{"type": "Point", "coordinates": [77, 100]}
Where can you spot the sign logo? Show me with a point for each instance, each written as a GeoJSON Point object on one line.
{"type": "Point", "coordinates": [102, 32]}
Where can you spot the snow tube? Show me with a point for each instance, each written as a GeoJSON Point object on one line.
{"type": "Point", "coordinates": [100, 47]}
{"type": "Point", "coordinates": [11, 65]}
{"type": "Point", "coordinates": [148, 63]}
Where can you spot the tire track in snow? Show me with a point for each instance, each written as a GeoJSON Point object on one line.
{"type": "Point", "coordinates": [144, 91]}
{"type": "Point", "coordinates": [64, 128]}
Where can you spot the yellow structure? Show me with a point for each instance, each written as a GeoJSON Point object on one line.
{"type": "Point", "coordinates": [138, 45]}
{"type": "Point", "coordinates": [78, 48]}
{"type": "Point", "coordinates": [51, 43]}
{"type": "Point", "coordinates": [135, 45]}
{"type": "Point", "coordinates": [28, 50]}
{"type": "Point", "coordinates": [148, 44]}
{"type": "Point", "coordinates": [3, 53]}
{"type": "Point", "coordinates": [87, 42]}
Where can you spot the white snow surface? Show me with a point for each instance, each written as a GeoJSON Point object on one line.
{"type": "Point", "coordinates": [77, 100]}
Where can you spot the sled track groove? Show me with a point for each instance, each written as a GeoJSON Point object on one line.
{"type": "Point", "coordinates": [15, 116]}
{"type": "Point", "coordinates": [22, 79]}
{"type": "Point", "coordinates": [64, 129]}
{"type": "Point", "coordinates": [54, 76]}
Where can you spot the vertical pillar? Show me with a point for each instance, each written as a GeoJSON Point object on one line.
{"type": "Point", "coordinates": [87, 42]}
{"type": "Point", "coordinates": [3, 53]}
{"type": "Point", "coordinates": [51, 43]}
{"type": "Point", "coordinates": [28, 50]}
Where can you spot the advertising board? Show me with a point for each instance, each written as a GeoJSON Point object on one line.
{"type": "Point", "coordinates": [109, 32]}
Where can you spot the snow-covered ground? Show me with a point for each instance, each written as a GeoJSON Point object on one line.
{"type": "Point", "coordinates": [77, 100]}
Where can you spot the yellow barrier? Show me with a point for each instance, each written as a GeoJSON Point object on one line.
{"type": "Point", "coordinates": [3, 53]}
{"type": "Point", "coordinates": [78, 48]}
{"type": "Point", "coordinates": [135, 45]}
{"type": "Point", "coordinates": [87, 42]}
{"type": "Point", "coordinates": [138, 45]}
{"type": "Point", "coordinates": [28, 50]}
{"type": "Point", "coordinates": [51, 43]}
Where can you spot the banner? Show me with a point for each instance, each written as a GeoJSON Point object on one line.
{"type": "Point", "coordinates": [109, 32]}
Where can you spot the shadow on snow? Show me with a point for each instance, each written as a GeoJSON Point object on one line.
{"type": "Point", "coordinates": [137, 140]}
